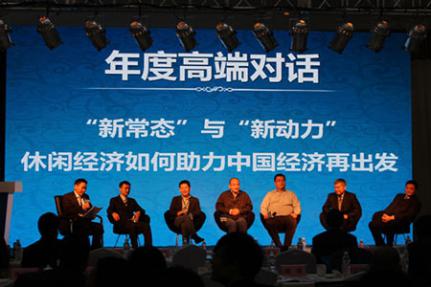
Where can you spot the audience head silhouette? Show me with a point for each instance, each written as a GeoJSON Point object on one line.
{"type": "Point", "coordinates": [48, 225]}
{"type": "Point", "coordinates": [237, 258]}
{"type": "Point", "coordinates": [146, 263]}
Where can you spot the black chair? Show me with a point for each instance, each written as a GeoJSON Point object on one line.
{"type": "Point", "coordinates": [298, 219]}
{"type": "Point", "coordinates": [66, 224]}
{"type": "Point", "coordinates": [249, 217]}
{"type": "Point", "coordinates": [403, 230]}
{"type": "Point", "coordinates": [198, 222]}
{"type": "Point", "coordinates": [117, 230]}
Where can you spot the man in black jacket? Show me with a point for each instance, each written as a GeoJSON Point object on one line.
{"type": "Point", "coordinates": [186, 210]}
{"type": "Point", "coordinates": [128, 217]}
{"type": "Point", "coordinates": [75, 204]}
{"type": "Point", "coordinates": [345, 202]}
{"type": "Point", "coordinates": [400, 213]}
{"type": "Point", "coordinates": [234, 205]}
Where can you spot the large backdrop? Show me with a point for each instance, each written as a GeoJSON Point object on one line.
{"type": "Point", "coordinates": [158, 117]}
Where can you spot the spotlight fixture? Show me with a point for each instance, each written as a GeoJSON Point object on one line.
{"type": "Point", "coordinates": [416, 42]}
{"type": "Point", "coordinates": [299, 33]}
{"type": "Point", "coordinates": [186, 35]}
{"type": "Point", "coordinates": [141, 34]}
{"type": "Point", "coordinates": [96, 33]}
{"type": "Point", "coordinates": [5, 40]}
{"type": "Point", "coordinates": [264, 36]}
{"type": "Point", "coordinates": [49, 33]}
{"type": "Point", "coordinates": [378, 36]}
{"type": "Point", "coordinates": [342, 37]}
{"type": "Point", "coordinates": [227, 35]}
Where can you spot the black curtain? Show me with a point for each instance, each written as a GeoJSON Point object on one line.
{"type": "Point", "coordinates": [421, 119]}
{"type": "Point", "coordinates": [3, 197]}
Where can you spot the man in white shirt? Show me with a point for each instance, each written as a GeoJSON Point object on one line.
{"type": "Point", "coordinates": [280, 211]}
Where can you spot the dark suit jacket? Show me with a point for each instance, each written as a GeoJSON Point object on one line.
{"type": "Point", "coordinates": [226, 201]}
{"type": "Point", "coordinates": [71, 207]}
{"type": "Point", "coordinates": [176, 206]}
{"type": "Point", "coordinates": [404, 209]}
{"type": "Point", "coordinates": [126, 212]}
{"type": "Point", "coordinates": [350, 205]}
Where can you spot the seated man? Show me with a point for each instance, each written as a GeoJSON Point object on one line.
{"type": "Point", "coordinates": [335, 241]}
{"type": "Point", "coordinates": [280, 209]}
{"type": "Point", "coordinates": [234, 205]}
{"type": "Point", "coordinates": [46, 251]}
{"type": "Point", "coordinates": [128, 217]}
{"type": "Point", "coordinates": [345, 202]}
{"type": "Point", "coordinates": [185, 209]}
{"type": "Point", "coordinates": [75, 204]}
{"type": "Point", "coordinates": [400, 213]}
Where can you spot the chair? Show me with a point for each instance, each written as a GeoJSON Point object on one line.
{"type": "Point", "coordinates": [117, 230]}
{"type": "Point", "coordinates": [66, 224]}
{"type": "Point", "coordinates": [198, 222]}
{"type": "Point", "coordinates": [403, 230]}
{"type": "Point", "coordinates": [218, 215]}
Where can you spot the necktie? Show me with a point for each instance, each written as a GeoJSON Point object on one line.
{"type": "Point", "coordinates": [185, 204]}
{"type": "Point", "coordinates": [340, 202]}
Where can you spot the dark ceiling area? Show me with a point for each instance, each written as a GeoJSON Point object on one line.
{"type": "Point", "coordinates": [278, 14]}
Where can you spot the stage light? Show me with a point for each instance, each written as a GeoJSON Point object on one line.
{"type": "Point", "coordinates": [227, 36]}
{"type": "Point", "coordinates": [186, 35]}
{"type": "Point", "coordinates": [141, 34]}
{"type": "Point", "coordinates": [96, 34]}
{"type": "Point", "coordinates": [416, 42]}
{"type": "Point", "coordinates": [299, 34]}
{"type": "Point", "coordinates": [342, 37]}
{"type": "Point", "coordinates": [49, 33]}
{"type": "Point", "coordinates": [264, 36]}
{"type": "Point", "coordinates": [5, 40]}
{"type": "Point", "coordinates": [378, 36]}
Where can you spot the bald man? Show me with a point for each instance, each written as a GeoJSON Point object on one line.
{"type": "Point", "coordinates": [234, 205]}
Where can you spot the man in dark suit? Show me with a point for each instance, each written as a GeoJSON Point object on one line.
{"type": "Point", "coordinates": [329, 245]}
{"type": "Point", "coordinates": [345, 202]}
{"type": "Point", "coordinates": [75, 204]}
{"type": "Point", "coordinates": [128, 217]}
{"type": "Point", "coordinates": [186, 210]}
{"type": "Point", "coordinates": [400, 213]}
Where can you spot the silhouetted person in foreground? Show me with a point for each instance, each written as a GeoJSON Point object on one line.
{"type": "Point", "coordinates": [329, 246]}
{"type": "Point", "coordinates": [70, 273]}
{"type": "Point", "coordinates": [420, 253]}
{"type": "Point", "coordinates": [237, 259]}
{"type": "Point", "coordinates": [385, 270]}
{"type": "Point", "coordinates": [111, 272]}
{"type": "Point", "coordinates": [46, 251]}
{"type": "Point", "coordinates": [147, 264]}
{"type": "Point", "coordinates": [180, 276]}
